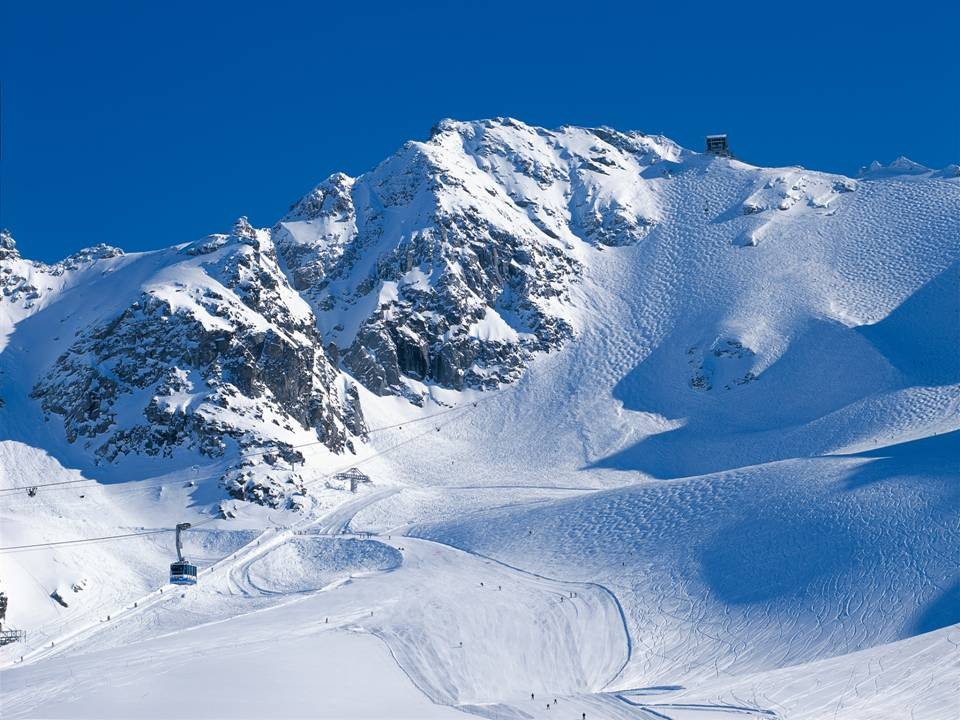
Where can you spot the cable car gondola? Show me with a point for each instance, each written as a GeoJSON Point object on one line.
{"type": "Point", "coordinates": [182, 572]}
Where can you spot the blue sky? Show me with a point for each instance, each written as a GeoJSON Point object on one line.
{"type": "Point", "coordinates": [147, 124]}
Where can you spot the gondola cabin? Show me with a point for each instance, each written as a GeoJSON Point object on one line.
{"type": "Point", "coordinates": [183, 573]}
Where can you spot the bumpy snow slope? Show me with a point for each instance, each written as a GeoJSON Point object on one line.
{"type": "Point", "coordinates": [718, 356]}
{"type": "Point", "coordinates": [751, 569]}
{"type": "Point", "coordinates": [718, 475]}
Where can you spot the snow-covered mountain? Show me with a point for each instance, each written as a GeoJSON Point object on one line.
{"type": "Point", "coordinates": [452, 261]}
{"type": "Point", "coordinates": [201, 349]}
{"type": "Point", "coordinates": [451, 265]}
{"type": "Point", "coordinates": [718, 401]}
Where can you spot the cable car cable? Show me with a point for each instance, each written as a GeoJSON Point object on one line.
{"type": "Point", "coordinates": [117, 489]}
{"type": "Point", "coordinates": [81, 541]}
{"type": "Point", "coordinates": [209, 520]}
{"type": "Point", "coordinates": [472, 405]}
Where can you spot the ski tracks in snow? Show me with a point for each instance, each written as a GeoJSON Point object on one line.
{"type": "Point", "coordinates": [470, 632]}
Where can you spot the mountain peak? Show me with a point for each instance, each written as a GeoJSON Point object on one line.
{"type": "Point", "coordinates": [8, 246]}
{"type": "Point", "coordinates": [901, 166]}
{"type": "Point", "coordinates": [325, 198]}
{"type": "Point", "coordinates": [447, 125]}
{"type": "Point", "coordinates": [242, 228]}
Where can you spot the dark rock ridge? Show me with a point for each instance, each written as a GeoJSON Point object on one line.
{"type": "Point", "coordinates": [188, 366]}
{"type": "Point", "coordinates": [448, 263]}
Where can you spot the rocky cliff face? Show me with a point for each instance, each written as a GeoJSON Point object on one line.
{"type": "Point", "coordinates": [216, 355]}
{"type": "Point", "coordinates": [452, 262]}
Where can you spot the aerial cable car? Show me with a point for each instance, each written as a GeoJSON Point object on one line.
{"type": "Point", "coordinates": [182, 572]}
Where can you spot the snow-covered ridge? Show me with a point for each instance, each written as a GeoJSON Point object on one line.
{"type": "Point", "coordinates": [485, 223]}
{"type": "Point", "coordinates": [197, 351]}
{"type": "Point", "coordinates": [454, 264]}
{"type": "Point", "coordinates": [905, 166]}
{"type": "Point", "coordinates": [718, 476]}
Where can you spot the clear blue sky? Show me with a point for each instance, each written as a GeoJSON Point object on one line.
{"type": "Point", "coordinates": [145, 124]}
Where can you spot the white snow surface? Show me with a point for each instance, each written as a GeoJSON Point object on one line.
{"type": "Point", "coordinates": [734, 493]}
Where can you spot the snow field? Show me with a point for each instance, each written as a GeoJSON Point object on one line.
{"type": "Point", "coordinates": [670, 502]}
{"type": "Point", "coordinates": [572, 635]}
{"type": "Point", "coordinates": [748, 570]}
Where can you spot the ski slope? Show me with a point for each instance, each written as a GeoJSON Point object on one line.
{"type": "Point", "coordinates": [520, 632]}
{"type": "Point", "coordinates": [748, 570]}
{"type": "Point", "coordinates": [211, 674]}
{"type": "Point", "coordinates": [733, 492]}
{"type": "Point", "coordinates": [450, 620]}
